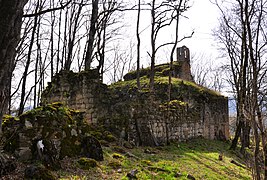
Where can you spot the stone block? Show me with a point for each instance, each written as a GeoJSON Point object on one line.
{"type": "Point", "coordinates": [24, 154]}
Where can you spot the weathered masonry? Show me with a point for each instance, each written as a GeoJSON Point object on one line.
{"type": "Point", "coordinates": [149, 119]}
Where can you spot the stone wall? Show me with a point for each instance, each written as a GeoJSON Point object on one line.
{"type": "Point", "coordinates": [151, 121]}
{"type": "Point", "coordinates": [147, 118]}
{"type": "Point", "coordinates": [81, 91]}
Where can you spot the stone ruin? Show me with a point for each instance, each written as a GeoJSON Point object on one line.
{"type": "Point", "coordinates": [77, 106]}
{"type": "Point", "coordinates": [149, 119]}
{"type": "Point", "coordinates": [47, 134]}
{"type": "Point", "coordinates": [183, 57]}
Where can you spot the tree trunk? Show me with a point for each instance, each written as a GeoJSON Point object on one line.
{"type": "Point", "coordinates": [138, 45]}
{"type": "Point", "coordinates": [265, 160]}
{"type": "Point", "coordinates": [239, 126]}
{"type": "Point", "coordinates": [153, 47]}
{"type": "Point", "coordinates": [11, 12]}
{"type": "Point", "coordinates": [92, 32]}
{"type": "Point", "coordinates": [245, 137]}
{"type": "Point", "coordinates": [72, 35]}
{"type": "Point", "coordinates": [256, 151]}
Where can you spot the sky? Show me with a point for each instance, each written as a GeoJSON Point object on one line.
{"type": "Point", "coordinates": [202, 18]}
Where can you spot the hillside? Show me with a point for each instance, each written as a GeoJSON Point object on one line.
{"type": "Point", "coordinates": [198, 157]}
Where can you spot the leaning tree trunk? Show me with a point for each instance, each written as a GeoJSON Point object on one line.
{"type": "Point", "coordinates": [11, 12]}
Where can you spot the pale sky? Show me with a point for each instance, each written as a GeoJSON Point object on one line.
{"type": "Point", "coordinates": [202, 18]}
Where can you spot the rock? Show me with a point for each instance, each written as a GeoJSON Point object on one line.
{"type": "Point", "coordinates": [115, 164]}
{"type": "Point", "coordinates": [74, 132]}
{"type": "Point", "coordinates": [128, 145]}
{"type": "Point", "coordinates": [87, 163]}
{"type": "Point", "coordinates": [91, 148]}
{"type": "Point", "coordinates": [38, 172]}
{"type": "Point", "coordinates": [40, 148]}
{"type": "Point", "coordinates": [130, 155]}
{"type": "Point", "coordinates": [28, 125]}
{"type": "Point", "coordinates": [50, 155]}
{"type": "Point", "coordinates": [148, 151]}
{"type": "Point", "coordinates": [220, 157]}
{"type": "Point", "coordinates": [117, 156]}
{"type": "Point", "coordinates": [119, 170]}
{"type": "Point", "coordinates": [24, 154]}
{"type": "Point", "coordinates": [178, 175]}
{"type": "Point", "coordinates": [132, 174]}
{"type": "Point", "coordinates": [189, 176]}
{"type": "Point", "coordinates": [7, 164]}
{"type": "Point", "coordinates": [64, 134]}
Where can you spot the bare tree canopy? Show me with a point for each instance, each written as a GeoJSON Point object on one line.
{"type": "Point", "coordinates": [242, 33]}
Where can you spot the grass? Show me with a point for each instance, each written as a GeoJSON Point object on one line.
{"type": "Point", "coordinates": [198, 158]}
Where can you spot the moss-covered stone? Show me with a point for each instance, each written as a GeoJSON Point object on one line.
{"type": "Point", "coordinates": [38, 172]}
{"type": "Point", "coordinates": [110, 138]}
{"type": "Point", "coordinates": [60, 129]}
{"type": "Point", "coordinates": [10, 137]}
{"type": "Point", "coordinates": [87, 163]}
{"type": "Point", "coordinates": [117, 156]}
{"type": "Point", "coordinates": [115, 164]}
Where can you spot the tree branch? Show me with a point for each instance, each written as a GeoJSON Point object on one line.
{"type": "Point", "coordinates": [47, 10]}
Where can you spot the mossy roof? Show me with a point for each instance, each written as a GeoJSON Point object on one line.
{"type": "Point", "coordinates": [179, 86]}
{"type": "Point", "coordinates": [160, 70]}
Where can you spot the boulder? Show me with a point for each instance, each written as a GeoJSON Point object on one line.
{"type": "Point", "coordinates": [91, 148]}
{"type": "Point", "coordinates": [38, 172]}
{"type": "Point", "coordinates": [50, 156]}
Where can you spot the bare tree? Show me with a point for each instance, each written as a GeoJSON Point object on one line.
{"type": "Point", "coordinates": [74, 25]}
{"type": "Point", "coordinates": [244, 27]}
{"type": "Point", "coordinates": [163, 14]}
{"type": "Point", "coordinates": [11, 12]}
{"type": "Point", "coordinates": [28, 61]}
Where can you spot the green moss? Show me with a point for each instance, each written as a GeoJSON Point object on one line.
{"type": "Point", "coordinates": [110, 138]}
{"type": "Point", "coordinates": [87, 163]}
{"type": "Point", "coordinates": [173, 105]}
{"type": "Point", "coordinates": [117, 156]}
{"type": "Point", "coordinates": [146, 162]}
{"type": "Point", "coordinates": [115, 164]}
{"type": "Point", "coordinates": [9, 121]}
{"type": "Point", "coordinates": [180, 88]}
{"type": "Point", "coordinates": [160, 70]}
